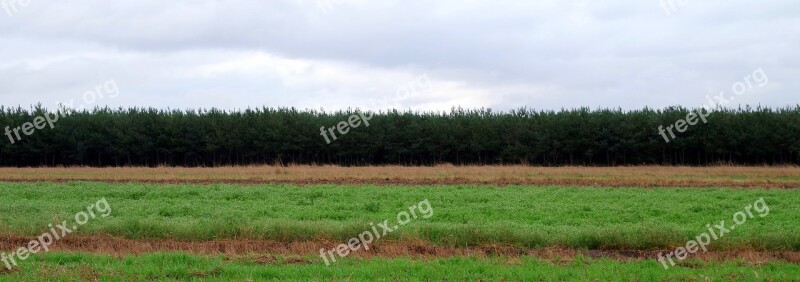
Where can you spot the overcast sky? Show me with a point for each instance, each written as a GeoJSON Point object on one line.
{"type": "Point", "coordinates": [422, 55]}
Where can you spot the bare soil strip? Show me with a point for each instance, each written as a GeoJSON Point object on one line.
{"type": "Point", "coordinates": [644, 176]}
{"type": "Point", "coordinates": [257, 249]}
{"type": "Point", "coordinates": [612, 183]}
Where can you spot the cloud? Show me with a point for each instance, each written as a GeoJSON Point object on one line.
{"type": "Point", "coordinates": [336, 54]}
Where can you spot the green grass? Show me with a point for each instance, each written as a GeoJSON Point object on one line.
{"type": "Point", "coordinates": [613, 218]}
{"type": "Point", "coordinates": [184, 267]}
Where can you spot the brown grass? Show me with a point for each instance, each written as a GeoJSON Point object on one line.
{"type": "Point", "coordinates": [639, 176]}
{"type": "Point", "coordinates": [263, 251]}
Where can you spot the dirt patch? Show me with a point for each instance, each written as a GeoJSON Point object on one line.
{"type": "Point", "coordinates": [613, 183]}
{"type": "Point", "coordinates": [296, 260]}
{"type": "Point", "coordinates": [643, 176]}
{"type": "Point", "coordinates": [297, 252]}
{"type": "Point", "coordinates": [5, 270]}
{"type": "Point", "coordinates": [266, 260]}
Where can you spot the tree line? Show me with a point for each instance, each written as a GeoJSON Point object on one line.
{"type": "Point", "coordinates": [213, 137]}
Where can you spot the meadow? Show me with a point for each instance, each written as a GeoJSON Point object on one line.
{"type": "Point", "coordinates": [203, 224]}
{"type": "Point", "coordinates": [186, 267]}
{"type": "Point", "coordinates": [604, 218]}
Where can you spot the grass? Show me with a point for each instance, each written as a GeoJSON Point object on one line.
{"type": "Point", "coordinates": [593, 218]}
{"type": "Point", "coordinates": [606, 175]}
{"type": "Point", "coordinates": [185, 267]}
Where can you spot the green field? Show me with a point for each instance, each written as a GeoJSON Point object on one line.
{"type": "Point", "coordinates": [594, 218]}
{"type": "Point", "coordinates": [183, 267]}
{"type": "Point", "coordinates": [526, 218]}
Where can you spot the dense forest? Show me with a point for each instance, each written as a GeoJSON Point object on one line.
{"type": "Point", "coordinates": [152, 137]}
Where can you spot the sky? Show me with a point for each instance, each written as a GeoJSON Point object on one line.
{"type": "Point", "coordinates": [411, 55]}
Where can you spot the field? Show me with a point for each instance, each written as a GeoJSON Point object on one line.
{"type": "Point", "coordinates": [637, 176]}
{"type": "Point", "coordinates": [461, 223]}
{"type": "Point", "coordinates": [176, 266]}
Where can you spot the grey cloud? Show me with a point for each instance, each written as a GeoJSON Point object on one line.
{"type": "Point", "coordinates": [541, 54]}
